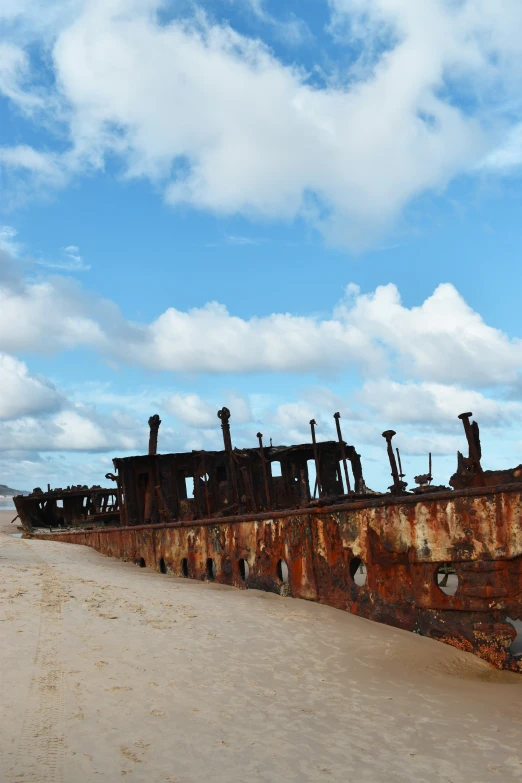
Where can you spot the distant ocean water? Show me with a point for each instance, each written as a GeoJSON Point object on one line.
{"type": "Point", "coordinates": [6, 504]}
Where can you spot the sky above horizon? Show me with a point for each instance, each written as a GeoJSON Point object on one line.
{"type": "Point", "coordinates": [290, 209]}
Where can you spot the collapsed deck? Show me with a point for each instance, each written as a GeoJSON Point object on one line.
{"type": "Point", "coordinates": [446, 563]}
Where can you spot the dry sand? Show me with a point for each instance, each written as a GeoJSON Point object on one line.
{"type": "Point", "coordinates": [109, 671]}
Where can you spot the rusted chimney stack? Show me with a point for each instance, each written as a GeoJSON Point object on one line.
{"type": "Point", "coordinates": [397, 483]}
{"type": "Point", "coordinates": [472, 436]}
{"type": "Point", "coordinates": [154, 424]}
{"type": "Point", "coordinates": [224, 416]}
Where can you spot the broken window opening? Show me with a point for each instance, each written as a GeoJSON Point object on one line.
{"type": "Point", "coordinates": [189, 486]}
{"type": "Point", "coordinates": [276, 469]}
{"type": "Point", "coordinates": [312, 478]}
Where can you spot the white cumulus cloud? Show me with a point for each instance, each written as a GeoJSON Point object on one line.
{"type": "Point", "coordinates": [224, 125]}
{"type": "Point", "coordinates": [434, 404]}
{"type": "Point", "coordinates": [441, 340]}
{"type": "Point", "coordinates": [22, 393]}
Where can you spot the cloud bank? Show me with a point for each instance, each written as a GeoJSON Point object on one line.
{"type": "Point", "coordinates": [214, 118]}
{"type": "Point", "coordinates": [441, 340]}
{"type": "Point", "coordinates": [414, 367]}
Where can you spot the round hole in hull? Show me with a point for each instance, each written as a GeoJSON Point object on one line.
{"type": "Point", "coordinates": [244, 570]}
{"type": "Point", "coordinates": [211, 569]}
{"type": "Point", "coordinates": [141, 562]}
{"type": "Point", "coordinates": [358, 571]}
{"type": "Point", "coordinates": [516, 644]}
{"type": "Point", "coordinates": [446, 579]}
{"type": "Point", "coordinates": [282, 571]}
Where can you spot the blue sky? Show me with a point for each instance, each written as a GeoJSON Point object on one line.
{"type": "Point", "coordinates": [289, 208]}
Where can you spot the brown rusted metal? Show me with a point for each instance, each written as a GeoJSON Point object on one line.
{"type": "Point", "coordinates": [154, 424]}
{"type": "Point", "coordinates": [469, 470]}
{"type": "Point", "coordinates": [224, 417]}
{"type": "Point", "coordinates": [396, 487]}
{"type": "Point", "coordinates": [205, 479]}
{"type": "Point", "coordinates": [402, 551]}
{"type": "Point", "coordinates": [472, 436]}
{"type": "Point", "coordinates": [73, 506]}
{"type": "Point", "coordinates": [265, 473]}
{"type": "Point", "coordinates": [414, 546]}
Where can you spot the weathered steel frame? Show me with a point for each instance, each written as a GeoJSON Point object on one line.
{"type": "Point", "coordinates": [402, 540]}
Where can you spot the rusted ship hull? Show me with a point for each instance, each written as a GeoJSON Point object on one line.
{"type": "Point", "coordinates": [403, 542]}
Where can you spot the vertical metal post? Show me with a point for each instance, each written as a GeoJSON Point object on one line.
{"type": "Point", "coordinates": [224, 416]}
{"type": "Point", "coordinates": [197, 494]}
{"type": "Point", "coordinates": [401, 474]}
{"type": "Point", "coordinates": [151, 498]}
{"type": "Point", "coordinates": [154, 424]}
{"type": "Point", "coordinates": [313, 424]}
{"type": "Point", "coordinates": [304, 490]}
{"type": "Point", "coordinates": [388, 435]}
{"type": "Point", "coordinates": [249, 489]}
{"type": "Point", "coordinates": [205, 479]}
{"type": "Point", "coordinates": [337, 416]}
{"type": "Point", "coordinates": [265, 474]}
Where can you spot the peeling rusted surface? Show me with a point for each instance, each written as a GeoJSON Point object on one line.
{"type": "Point", "coordinates": [402, 544]}
{"type": "Point", "coordinates": [242, 513]}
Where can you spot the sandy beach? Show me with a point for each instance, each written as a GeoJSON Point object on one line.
{"type": "Point", "coordinates": [109, 671]}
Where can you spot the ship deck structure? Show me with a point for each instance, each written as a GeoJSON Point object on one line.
{"type": "Point", "coordinates": [441, 561]}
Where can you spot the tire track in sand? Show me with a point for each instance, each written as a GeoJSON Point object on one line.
{"type": "Point", "coordinates": [39, 757]}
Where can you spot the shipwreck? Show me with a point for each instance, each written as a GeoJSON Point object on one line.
{"type": "Point", "coordinates": [441, 561]}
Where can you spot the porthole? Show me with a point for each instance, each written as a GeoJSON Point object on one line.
{"type": "Point", "coordinates": [446, 579]}
{"type": "Point", "coordinates": [211, 569]}
{"type": "Point", "coordinates": [162, 566]}
{"type": "Point", "coordinates": [141, 562]}
{"type": "Point", "coordinates": [358, 571]}
{"type": "Point", "coordinates": [244, 570]}
{"type": "Point", "coordinates": [282, 571]}
{"type": "Point", "coordinates": [185, 568]}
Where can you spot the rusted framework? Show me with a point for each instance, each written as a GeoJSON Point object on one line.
{"type": "Point", "coordinates": [74, 506]}
{"type": "Point", "coordinates": [446, 563]}
{"type": "Point", "coordinates": [202, 484]}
